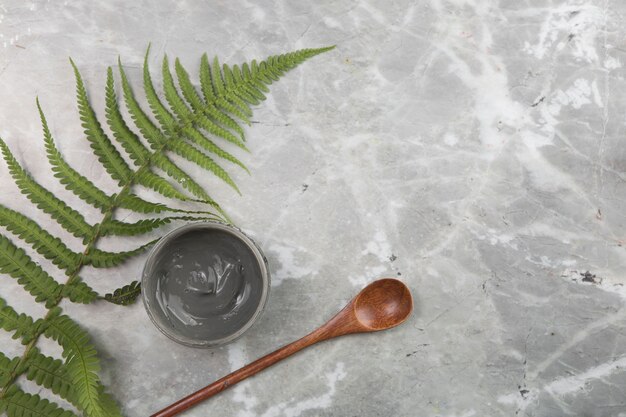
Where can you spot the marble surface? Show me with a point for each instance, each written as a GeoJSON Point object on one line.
{"type": "Point", "coordinates": [474, 149]}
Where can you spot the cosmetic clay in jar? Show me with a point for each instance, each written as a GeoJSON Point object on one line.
{"type": "Point", "coordinates": [205, 284]}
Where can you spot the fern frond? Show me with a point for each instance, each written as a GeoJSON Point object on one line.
{"type": "Point", "coordinates": [17, 403]}
{"type": "Point", "coordinates": [49, 373]}
{"type": "Point", "coordinates": [17, 264]}
{"type": "Point", "coordinates": [102, 259]}
{"type": "Point", "coordinates": [21, 325]}
{"type": "Point", "coordinates": [79, 292]}
{"type": "Point", "coordinates": [68, 218]}
{"type": "Point", "coordinates": [68, 176]}
{"type": "Point", "coordinates": [44, 243]}
{"type": "Point", "coordinates": [126, 295]}
{"type": "Point", "coordinates": [196, 103]}
{"type": "Point", "coordinates": [107, 154]}
{"type": "Point", "coordinates": [81, 362]}
{"type": "Point", "coordinates": [201, 159]}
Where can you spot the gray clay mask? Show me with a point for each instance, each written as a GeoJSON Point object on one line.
{"type": "Point", "coordinates": [204, 284]}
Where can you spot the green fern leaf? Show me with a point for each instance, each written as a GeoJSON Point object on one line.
{"type": "Point", "coordinates": [168, 123]}
{"type": "Point", "coordinates": [81, 362]}
{"type": "Point", "coordinates": [149, 131]}
{"type": "Point", "coordinates": [216, 78]}
{"type": "Point", "coordinates": [185, 115]}
{"type": "Point", "coordinates": [21, 325]}
{"type": "Point", "coordinates": [133, 146]}
{"type": "Point", "coordinates": [126, 295]}
{"type": "Point", "coordinates": [229, 92]}
{"type": "Point", "coordinates": [193, 98]}
{"type": "Point", "coordinates": [166, 120]}
{"type": "Point", "coordinates": [157, 141]}
{"type": "Point", "coordinates": [68, 218]}
{"type": "Point", "coordinates": [245, 92]}
{"type": "Point", "coordinates": [254, 82]}
{"type": "Point", "coordinates": [139, 205]}
{"type": "Point", "coordinates": [253, 79]}
{"type": "Point", "coordinates": [107, 154]}
{"type": "Point", "coordinates": [201, 159]}
{"type": "Point", "coordinates": [206, 84]}
{"type": "Point", "coordinates": [17, 264]}
{"type": "Point", "coordinates": [7, 368]}
{"type": "Point", "coordinates": [150, 180]}
{"type": "Point", "coordinates": [198, 138]}
{"type": "Point", "coordinates": [44, 243]}
{"type": "Point", "coordinates": [213, 87]}
{"type": "Point", "coordinates": [68, 176]}
{"type": "Point", "coordinates": [49, 373]}
{"type": "Point", "coordinates": [229, 80]}
{"type": "Point", "coordinates": [126, 137]}
{"type": "Point", "coordinates": [164, 163]}
{"type": "Point", "coordinates": [102, 259]}
{"type": "Point", "coordinates": [118, 228]}
{"type": "Point", "coordinates": [248, 91]}
{"type": "Point", "coordinates": [17, 403]}
{"type": "Point", "coordinates": [79, 292]}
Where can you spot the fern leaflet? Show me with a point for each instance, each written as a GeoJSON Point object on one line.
{"type": "Point", "coordinates": [108, 156]}
{"type": "Point", "coordinates": [21, 325]}
{"type": "Point", "coordinates": [17, 403]}
{"type": "Point", "coordinates": [49, 373]}
{"type": "Point", "coordinates": [81, 362]}
{"type": "Point", "coordinates": [16, 263]}
{"type": "Point", "coordinates": [102, 259]}
{"type": "Point", "coordinates": [67, 175]}
{"type": "Point", "coordinates": [125, 295]}
{"type": "Point", "coordinates": [47, 245]}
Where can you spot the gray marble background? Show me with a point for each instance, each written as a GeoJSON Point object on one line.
{"type": "Point", "coordinates": [475, 149]}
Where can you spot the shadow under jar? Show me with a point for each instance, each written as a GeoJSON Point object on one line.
{"type": "Point", "coordinates": [204, 284]}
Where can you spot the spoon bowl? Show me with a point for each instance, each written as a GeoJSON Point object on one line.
{"type": "Point", "coordinates": [383, 304]}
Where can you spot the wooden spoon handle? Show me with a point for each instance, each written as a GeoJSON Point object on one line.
{"type": "Point", "coordinates": [240, 374]}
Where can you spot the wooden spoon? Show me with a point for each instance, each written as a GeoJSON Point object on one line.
{"type": "Point", "coordinates": [381, 305]}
